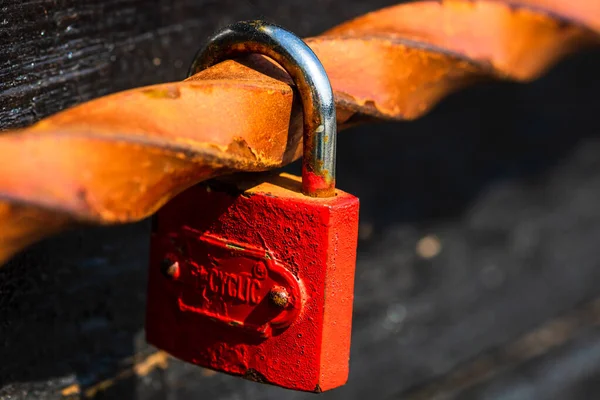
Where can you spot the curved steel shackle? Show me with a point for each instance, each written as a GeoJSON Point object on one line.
{"type": "Point", "coordinates": [301, 63]}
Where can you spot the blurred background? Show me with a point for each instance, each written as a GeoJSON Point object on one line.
{"type": "Point", "coordinates": [478, 272]}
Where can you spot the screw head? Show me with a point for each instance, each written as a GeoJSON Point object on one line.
{"type": "Point", "coordinates": [169, 268]}
{"type": "Point", "coordinates": [279, 297]}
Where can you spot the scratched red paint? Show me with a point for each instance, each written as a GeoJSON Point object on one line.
{"type": "Point", "coordinates": [271, 235]}
{"type": "Point", "coordinates": [312, 182]}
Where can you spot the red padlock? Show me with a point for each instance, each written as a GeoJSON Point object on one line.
{"type": "Point", "coordinates": [255, 277]}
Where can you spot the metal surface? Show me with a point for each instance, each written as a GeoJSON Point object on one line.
{"type": "Point", "coordinates": [264, 288]}
{"type": "Point", "coordinates": [395, 63]}
{"type": "Point", "coordinates": [277, 310]}
{"type": "Point", "coordinates": [310, 78]}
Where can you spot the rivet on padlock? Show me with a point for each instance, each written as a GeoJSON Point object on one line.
{"type": "Point", "coordinates": [260, 274]}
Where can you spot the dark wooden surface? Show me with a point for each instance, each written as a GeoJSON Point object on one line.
{"type": "Point", "coordinates": [503, 179]}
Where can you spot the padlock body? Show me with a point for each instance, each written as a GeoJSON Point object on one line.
{"type": "Point", "coordinates": [256, 281]}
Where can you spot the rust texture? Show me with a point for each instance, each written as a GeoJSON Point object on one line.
{"type": "Point", "coordinates": [119, 158]}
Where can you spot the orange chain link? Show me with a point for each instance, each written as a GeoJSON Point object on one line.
{"type": "Point", "coordinates": [119, 158]}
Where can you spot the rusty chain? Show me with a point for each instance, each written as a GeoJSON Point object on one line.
{"type": "Point", "coordinates": [119, 158]}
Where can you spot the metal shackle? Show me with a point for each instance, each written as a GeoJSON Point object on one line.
{"type": "Point", "coordinates": [310, 78]}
